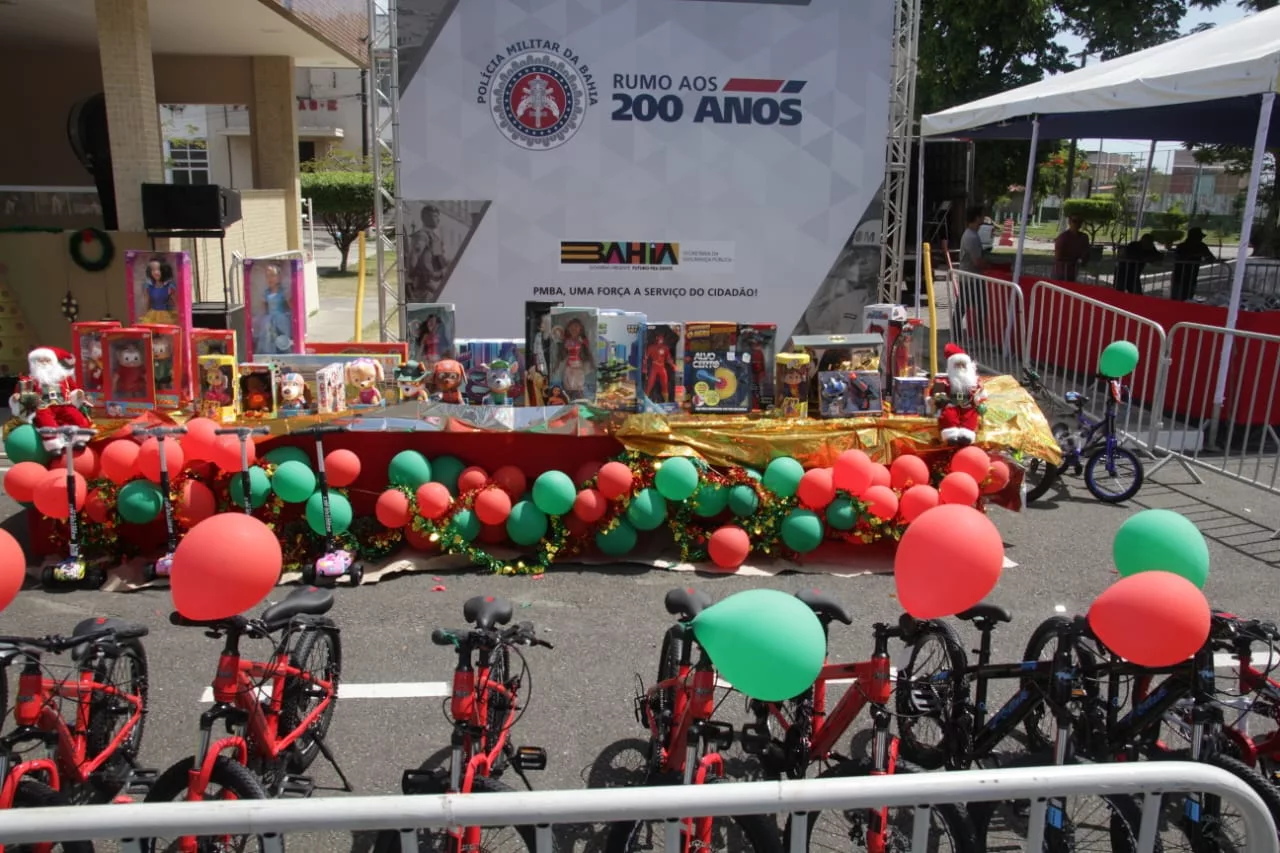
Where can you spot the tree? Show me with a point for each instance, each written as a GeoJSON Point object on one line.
{"type": "Point", "coordinates": [1051, 176]}
{"type": "Point", "coordinates": [343, 202]}
{"type": "Point", "coordinates": [1095, 214]}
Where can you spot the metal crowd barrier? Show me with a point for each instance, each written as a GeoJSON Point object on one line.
{"type": "Point", "coordinates": [988, 319]}
{"type": "Point", "coordinates": [275, 818]}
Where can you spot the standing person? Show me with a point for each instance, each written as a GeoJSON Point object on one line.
{"type": "Point", "coordinates": [1187, 258]}
{"type": "Point", "coordinates": [1070, 250]}
{"type": "Point", "coordinates": [427, 259]}
{"type": "Point", "coordinates": [1133, 260]}
{"type": "Point", "coordinates": [973, 294]}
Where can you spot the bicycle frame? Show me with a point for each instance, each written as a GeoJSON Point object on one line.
{"type": "Point", "coordinates": [1254, 681]}
{"type": "Point", "coordinates": [990, 732]}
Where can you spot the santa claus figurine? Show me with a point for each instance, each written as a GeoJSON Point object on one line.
{"type": "Point", "coordinates": [959, 398]}
{"type": "Point", "coordinates": [48, 396]}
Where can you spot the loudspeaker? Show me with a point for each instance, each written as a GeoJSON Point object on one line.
{"type": "Point", "coordinates": [189, 207]}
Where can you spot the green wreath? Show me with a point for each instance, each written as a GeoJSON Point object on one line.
{"type": "Point", "coordinates": [92, 235]}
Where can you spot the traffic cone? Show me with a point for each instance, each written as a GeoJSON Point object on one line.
{"type": "Point", "coordinates": [1006, 236]}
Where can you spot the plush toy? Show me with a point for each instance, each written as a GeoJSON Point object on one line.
{"type": "Point", "coordinates": [499, 378]}
{"type": "Point", "coordinates": [447, 375]}
{"type": "Point", "coordinates": [959, 398]}
{"type": "Point", "coordinates": [365, 374]}
{"type": "Point", "coordinates": [48, 397]}
{"type": "Point", "coordinates": [411, 377]}
{"type": "Point", "coordinates": [130, 373]}
{"type": "Point", "coordinates": [293, 392]}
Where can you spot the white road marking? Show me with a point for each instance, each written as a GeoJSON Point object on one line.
{"type": "Point", "coordinates": [893, 676]}
{"type": "Point", "coordinates": [1262, 662]}
{"type": "Point", "coordinates": [387, 690]}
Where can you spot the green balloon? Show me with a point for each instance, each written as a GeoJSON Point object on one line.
{"type": "Point", "coordinates": [281, 455]}
{"type": "Point", "coordinates": [766, 643]}
{"type": "Point", "coordinates": [339, 513]}
{"type": "Point", "coordinates": [782, 477]}
{"type": "Point", "coordinates": [409, 468]}
{"type": "Point", "coordinates": [293, 481]}
{"type": "Point", "coordinates": [526, 525]}
{"type": "Point", "coordinates": [617, 541]}
{"type": "Point", "coordinates": [138, 501]}
{"type": "Point", "coordinates": [445, 471]}
{"type": "Point", "coordinates": [753, 474]}
{"type": "Point", "coordinates": [841, 514]}
{"type": "Point", "coordinates": [647, 510]}
{"type": "Point", "coordinates": [259, 487]}
{"type": "Point", "coordinates": [466, 524]}
{"type": "Point", "coordinates": [677, 479]}
{"type": "Point", "coordinates": [743, 501]}
{"type": "Point", "coordinates": [1118, 359]}
{"type": "Point", "coordinates": [23, 444]}
{"type": "Point", "coordinates": [802, 531]}
{"type": "Point", "coordinates": [1160, 540]}
{"type": "Point", "coordinates": [553, 493]}
{"type": "Point", "coordinates": [710, 500]}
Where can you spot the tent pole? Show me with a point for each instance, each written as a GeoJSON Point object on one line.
{"type": "Point", "coordinates": [920, 255]}
{"type": "Point", "coordinates": [1146, 186]}
{"type": "Point", "coordinates": [1026, 199]}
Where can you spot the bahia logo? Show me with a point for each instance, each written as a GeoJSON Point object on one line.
{"type": "Point", "coordinates": [741, 100]}
{"type": "Point", "coordinates": [538, 92]}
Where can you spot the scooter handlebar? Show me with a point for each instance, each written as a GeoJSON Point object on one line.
{"type": "Point", "coordinates": [69, 431]}
{"type": "Point", "coordinates": [160, 431]}
{"type": "Point", "coordinates": [242, 431]}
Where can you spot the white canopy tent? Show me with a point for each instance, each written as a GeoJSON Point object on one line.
{"type": "Point", "coordinates": [1217, 86]}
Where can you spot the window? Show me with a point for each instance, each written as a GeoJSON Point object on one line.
{"type": "Point", "coordinates": [306, 151]}
{"type": "Point", "coordinates": [188, 162]}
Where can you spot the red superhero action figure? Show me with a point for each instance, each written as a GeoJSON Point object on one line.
{"type": "Point", "coordinates": [657, 362]}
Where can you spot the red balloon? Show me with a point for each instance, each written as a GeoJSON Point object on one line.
{"type": "Point", "coordinates": [1151, 618]}
{"type": "Point", "coordinates": [225, 565]}
{"type": "Point", "coordinates": [948, 560]}
{"type": "Point", "coordinates": [852, 472]}
{"type": "Point", "coordinates": [817, 488]}
{"type": "Point", "coordinates": [433, 500]}
{"type": "Point", "coordinates": [85, 462]}
{"type": "Point", "coordinates": [119, 460]}
{"type": "Point", "coordinates": [50, 496]}
{"type": "Point", "coordinates": [471, 479]}
{"type": "Point", "coordinates": [729, 547]}
{"type": "Point", "coordinates": [511, 480]}
{"type": "Point", "coordinates": [613, 480]}
{"type": "Point", "coordinates": [492, 506]}
{"type": "Point", "coordinates": [13, 568]}
{"type": "Point", "coordinates": [971, 460]}
{"type": "Point", "coordinates": [419, 541]}
{"type": "Point", "coordinates": [916, 500]}
{"type": "Point", "coordinates": [880, 475]}
{"type": "Point", "coordinates": [958, 488]}
{"type": "Point", "coordinates": [392, 509]}
{"type": "Point", "coordinates": [195, 503]}
{"type": "Point", "coordinates": [149, 458]}
{"type": "Point", "coordinates": [585, 472]}
{"type": "Point", "coordinates": [21, 480]}
{"type": "Point", "coordinates": [197, 444]}
{"type": "Point", "coordinates": [908, 471]}
{"type": "Point", "coordinates": [341, 468]}
{"type": "Point", "coordinates": [998, 478]}
{"type": "Point", "coordinates": [881, 502]}
{"type": "Point", "coordinates": [590, 505]}
{"type": "Point", "coordinates": [493, 534]}
{"type": "Point", "coordinates": [96, 506]}
{"type": "Point", "coordinates": [226, 453]}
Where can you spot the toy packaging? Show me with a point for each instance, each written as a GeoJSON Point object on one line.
{"type": "Point", "coordinates": [367, 377]}
{"type": "Point", "coordinates": [493, 370]}
{"type": "Point", "coordinates": [219, 392]}
{"type": "Point", "coordinates": [709, 337]}
{"type": "Point", "coordinates": [662, 368]}
{"type": "Point", "coordinates": [792, 385]}
{"type": "Point", "coordinates": [618, 345]}
{"type": "Point", "coordinates": [170, 367]}
{"type": "Point", "coordinates": [837, 352]}
{"type": "Point", "coordinates": [537, 345]}
{"type": "Point", "coordinates": [355, 380]}
{"type": "Point", "coordinates": [295, 396]}
{"type": "Point", "coordinates": [760, 341]}
{"type": "Point", "coordinates": [259, 389]}
{"type": "Point", "coordinates": [431, 331]}
{"type": "Point", "coordinates": [206, 342]}
{"type": "Point", "coordinates": [720, 382]}
{"type": "Point", "coordinates": [846, 393]}
{"type": "Point", "coordinates": [573, 358]}
{"type": "Point", "coordinates": [910, 395]}
{"type": "Point", "coordinates": [274, 299]}
{"type": "Point", "coordinates": [353, 348]}
{"type": "Point", "coordinates": [159, 288]}
{"type": "Point", "coordinates": [130, 387]}
{"type": "Point", "coordinates": [331, 389]}
{"type": "Point", "coordinates": [86, 346]}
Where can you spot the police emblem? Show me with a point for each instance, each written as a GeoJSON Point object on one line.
{"type": "Point", "coordinates": [538, 100]}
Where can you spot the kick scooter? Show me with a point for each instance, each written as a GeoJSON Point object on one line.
{"type": "Point", "coordinates": [244, 434]}
{"type": "Point", "coordinates": [162, 567]}
{"type": "Point", "coordinates": [335, 561]}
{"type": "Point", "coordinates": [73, 569]}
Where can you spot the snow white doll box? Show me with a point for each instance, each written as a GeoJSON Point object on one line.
{"type": "Point", "coordinates": [218, 391]}
{"type": "Point", "coordinates": [618, 346]}
{"type": "Point", "coordinates": [86, 346]}
{"type": "Point", "coordinates": [477, 356]}
{"type": "Point", "coordinates": [170, 366]}
{"type": "Point", "coordinates": [130, 387]}
{"type": "Point", "coordinates": [159, 288]}
{"type": "Point", "coordinates": [573, 355]}
{"type": "Point", "coordinates": [662, 368]}
{"type": "Point", "coordinates": [432, 332]}
{"type": "Point", "coordinates": [273, 296]}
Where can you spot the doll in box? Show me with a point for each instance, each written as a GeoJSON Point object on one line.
{"type": "Point", "coordinates": [160, 287]}
{"type": "Point", "coordinates": [217, 391]}
{"type": "Point", "coordinates": [129, 377]}
{"type": "Point", "coordinates": [793, 382]}
{"type": "Point", "coordinates": [294, 394]}
{"type": "Point", "coordinates": [258, 390]}
{"type": "Point", "coordinates": [573, 359]}
{"type": "Point", "coordinates": [366, 375]}
{"type": "Point", "coordinates": [273, 296]}
{"type": "Point", "coordinates": [87, 346]}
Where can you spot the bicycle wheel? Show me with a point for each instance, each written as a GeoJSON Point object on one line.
{"type": "Point", "coordinates": [493, 839]}
{"type": "Point", "coordinates": [926, 690]}
{"type": "Point", "coordinates": [1215, 826]}
{"type": "Point", "coordinates": [1039, 478]}
{"type": "Point", "coordinates": [662, 704]}
{"type": "Point", "coordinates": [34, 794]}
{"type": "Point", "coordinates": [737, 834]}
{"type": "Point", "coordinates": [317, 652]}
{"type": "Point", "coordinates": [126, 671]}
{"type": "Point", "coordinates": [1122, 459]}
{"type": "Point", "coordinates": [1039, 725]}
{"type": "Point", "coordinates": [950, 828]}
{"type": "Point", "coordinates": [228, 781]}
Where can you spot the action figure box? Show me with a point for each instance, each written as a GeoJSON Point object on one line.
{"type": "Point", "coordinates": [171, 372]}
{"type": "Point", "coordinates": [500, 361]}
{"type": "Point", "coordinates": [86, 346]}
{"type": "Point", "coordinates": [792, 384]}
{"type": "Point", "coordinates": [537, 350]}
{"type": "Point", "coordinates": [573, 359]}
{"type": "Point", "coordinates": [760, 341]}
{"type": "Point", "coordinates": [219, 392]}
{"type": "Point", "coordinates": [431, 329]}
{"type": "Point", "coordinates": [275, 305]}
{"type": "Point", "coordinates": [845, 393]}
{"type": "Point", "coordinates": [662, 369]}
{"type": "Point", "coordinates": [130, 387]}
{"type": "Point", "coordinates": [618, 342]}
{"type": "Point", "coordinates": [837, 352]}
{"type": "Point", "coordinates": [259, 390]}
{"type": "Point", "coordinates": [910, 395]}
{"type": "Point", "coordinates": [160, 288]}
{"type": "Point", "coordinates": [720, 382]}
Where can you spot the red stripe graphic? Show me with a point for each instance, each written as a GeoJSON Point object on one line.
{"type": "Point", "coordinates": [752, 84]}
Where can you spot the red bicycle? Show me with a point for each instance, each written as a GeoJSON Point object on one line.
{"type": "Point", "coordinates": [686, 745]}
{"type": "Point", "coordinates": [91, 756]}
{"type": "Point", "coordinates": [276, 712]}
{"type": "Point", "coordinates": [483, 708]}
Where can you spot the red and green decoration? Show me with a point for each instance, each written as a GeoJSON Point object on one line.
{"type": "Point", "coordinates": [91, 249]}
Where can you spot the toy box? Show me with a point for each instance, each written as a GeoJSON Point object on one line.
{"type": "Point", "coordinates": [910, 395]}
{"type": "Point", "coordinates": [170, 367]}
{"type": "Point", "coordinates": [431, 329]}
{"type": "Point", "coordinates": [159, 288]}
{"type": "Point", "coordinates": [353, 379]}
{"type": "Point", "coordinates": [573, 359]}
{"type": "Point", "coordinates": [481, 357]}
{"type": "Point", "coordinates": [760, 341]}
{"type": "Point", "coordinates": [848, 393]}
{"type": "Point", "coordinates": [398, 348]}
{"type": "Point", "coordinates": [331, 389]}
{"type": "Point", "coordinates": [709, 337]}
{"type": "Point", "coordinates": [662, 368]}
{"type": "Point", "coordinates": [259, 388]}
{"type": "Point", "coordinates": [218, 390]}
{"type": "Point", "coordinates": [294, 396]}
{"type": "Point", "coordinates": [274, 300]}
{"type": "Point", "coordinates": [86, 346]}
{"type": "Point", "coordinates": [130, 387]}
{"type": "Point", "coordinates": [205, 342]}
{"type": "Point", "coordinates": [618, 343]}
{"type": "Point", "coordinates": [537, 346]}
{"type": "Point", "coordinates": [792, 396]}
{"type": "Point", "coordinates": [837, 352]}
{"type": "Point", "coordinates": [720, 382]}
{"type": "Point", "coordinates": [308, 389]}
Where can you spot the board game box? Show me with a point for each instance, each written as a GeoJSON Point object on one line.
{"type": "Point", "coordinates": [720, 383]}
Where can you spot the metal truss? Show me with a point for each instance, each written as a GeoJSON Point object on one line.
{"type": "Point", "coordinates": [897, 171]}
{"type": "Point", "coordinates": [384, 136]}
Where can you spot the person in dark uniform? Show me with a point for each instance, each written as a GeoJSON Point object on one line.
{"type": "Point", "coordinates": [1187, 258]}
{"type": "Point", "coordinates": [1133, 260]}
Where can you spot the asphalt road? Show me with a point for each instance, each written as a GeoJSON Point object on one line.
{"type": "Point", "coordinates": [606, 626]}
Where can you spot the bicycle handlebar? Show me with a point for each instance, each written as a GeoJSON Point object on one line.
{"type": "Point", "coordinates": [67, 431]}
{"type": "Point", "coordinates": [61, 643]}
{"type": "Point", "coordinates": [522, 634]}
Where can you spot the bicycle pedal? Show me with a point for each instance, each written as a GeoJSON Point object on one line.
{"type": "Point", "coordinates": [529, 758]}
{"type": "Point", "coordinates": [297, 786]}
{"type": "Point", "coordinates": [755, 738]}
{"type": "Point", "coordinates": [140, 781]}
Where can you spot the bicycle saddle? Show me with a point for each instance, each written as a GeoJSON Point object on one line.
{"type": "Point", "coordinates": [486, 611]}
{"type": "Point", "coordinates": [303, 601]}
{"type": "Point", "coordinates": [686, 603]}
{"type": "Point", "coordinates": [97, 623]}
{"type": "Point", "coordinates": [985, 612]}
{"type": "Point", "coordinates": [1074, 398]}
{"type": "Point", "coordinates": [826, 607]}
